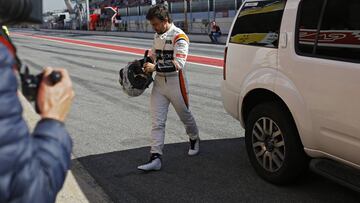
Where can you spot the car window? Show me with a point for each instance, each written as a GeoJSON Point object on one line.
{"type": "Point", "coordinates": [340, 30]}
{"type": "Point", "coordinates": [258, 23]}
{"type": "Point", "coordinates": [309, 16]}
{"type": "Point", "coordinates": [337, 37]}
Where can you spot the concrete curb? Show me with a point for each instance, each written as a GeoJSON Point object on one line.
{"type": "Point", "coordinates": [81, 189]}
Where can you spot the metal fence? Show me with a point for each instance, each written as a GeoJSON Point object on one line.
{"type": "Point", "coordinates": [193, 16]}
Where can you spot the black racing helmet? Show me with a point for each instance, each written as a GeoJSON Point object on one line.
{"type": "Point", "coordinates": [133, 79]}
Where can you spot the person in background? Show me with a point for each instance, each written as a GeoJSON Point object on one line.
{"type": "Point", "coordinates": [215, 32]}
{"type": "Point", "coordinates": [165, 4]}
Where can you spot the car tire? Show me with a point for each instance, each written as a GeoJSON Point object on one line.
{"type": "Point", "coordinates": [273, 144]}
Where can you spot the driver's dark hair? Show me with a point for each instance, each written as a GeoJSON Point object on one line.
{"type": "Point", "coordinates": [160, 12]}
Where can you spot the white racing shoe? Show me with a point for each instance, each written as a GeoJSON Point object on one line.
{"type": "Point", "coordinates": [153, 165]}
{"type": "Point", "coordinates": [194, 147]}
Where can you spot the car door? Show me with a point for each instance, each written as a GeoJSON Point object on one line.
{"type": "Point", "coordinates": [325, 68]}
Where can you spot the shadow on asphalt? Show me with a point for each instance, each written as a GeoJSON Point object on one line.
{"type": "Point", "coordinates": [221, 173]}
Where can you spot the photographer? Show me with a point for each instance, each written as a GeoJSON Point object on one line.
{"type": "Point", "coordinates": [33, 167]}
{"type": "Point", "coordinates": [215, 32]}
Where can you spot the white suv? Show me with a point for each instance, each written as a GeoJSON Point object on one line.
{"type": "Point", "coordinates": [292, 79]}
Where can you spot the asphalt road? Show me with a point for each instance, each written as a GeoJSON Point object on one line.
{"type": "Point", "coordinates": [111, 131]}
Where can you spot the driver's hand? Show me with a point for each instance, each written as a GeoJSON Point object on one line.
{"type": "Point", "coordinates": [149, 67]}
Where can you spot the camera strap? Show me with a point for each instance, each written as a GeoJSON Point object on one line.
{"type": "Point", "coordinates": [22, 72]}
{"type": "Point", "coordinates": [6, 41]}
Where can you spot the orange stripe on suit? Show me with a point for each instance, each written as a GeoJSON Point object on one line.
{"type": "Point", "coordinates": [183, 88]}
{"type": "Point", "coordinates": [181, 37]}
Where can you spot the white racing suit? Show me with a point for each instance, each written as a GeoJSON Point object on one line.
{"type": "Point", "coordinates": [170, 51]}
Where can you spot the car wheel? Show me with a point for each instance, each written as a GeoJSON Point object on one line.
{"type": "Point", "coordinates": [273, 144]}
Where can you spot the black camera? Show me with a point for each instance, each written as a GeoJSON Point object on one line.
{"type": "Point", "coordinates": [20, 11]}
{"type": "Point", "coordinates": [30, 84]}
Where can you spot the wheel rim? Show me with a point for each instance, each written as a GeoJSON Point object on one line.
{"type": "Point", "coordinates": [268, 144]}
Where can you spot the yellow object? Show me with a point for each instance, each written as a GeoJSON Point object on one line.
{"type": "Point", "coordinates": [278, 6]}
{"type": "Point", "coordinates": [6, 30]}
{"type": "Point", "coordinates": [267, 39]}
{"type": "Point", "coordinates": [248, 38]}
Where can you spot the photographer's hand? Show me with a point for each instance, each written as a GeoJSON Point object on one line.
{"type": "Point", "coordinates": [54, 102]}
